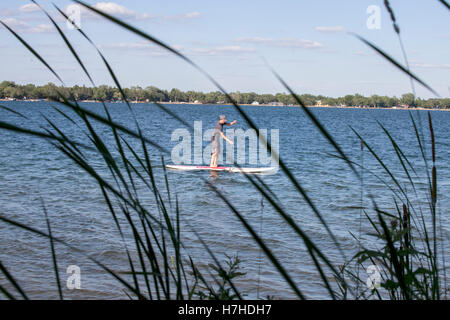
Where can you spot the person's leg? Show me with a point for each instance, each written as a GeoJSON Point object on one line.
{"type": "Point", "coordinates": [215, 148]}
{"type": "Point", "coordinates": [214, 160]}
{"type": "Point", "coordinates": [211, 164]}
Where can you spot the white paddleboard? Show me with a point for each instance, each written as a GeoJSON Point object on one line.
{"type": "Point", "coordinates": [227, 169]}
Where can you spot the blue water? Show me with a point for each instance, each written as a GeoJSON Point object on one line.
{"type": "Point", "coordinates": [34, 172]}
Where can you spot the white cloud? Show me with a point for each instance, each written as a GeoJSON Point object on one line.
{"type": "Point", "coordinates": [255, 40]}
{"type": "Point", "coordinates": [234, 49]}
{"type": "Point", "coordinates": [222, 50]}
{"type": "Point", "coordinates": [110, 8]}
{"type": "Point", "coordinates": [142, 47]}
{"type": "Point", "coordinates": [27, 8]}
{"type": "Point", "coordinates": [15, 23]}
{"type": "Point", "coordinates": [192, 15]}
{"type": "Point", "coordinates": [298, 43]}
{"type": "Point", "coordinates": [23, 27]}
{"type": "Point", "coordinates": [283, 43]}
{"type": "Point", "coordinates": [122, 12]}
{"type": "Point", "coordinates": [334, 29]}
{"type": "Point", "coordinates": [119, 11]}
{"type": "Point", "coordinates": [31, 7]}
{"type": "Point", "coordinates": [42, 28]}
{"type": "Point", "coordinates": [135, 45]}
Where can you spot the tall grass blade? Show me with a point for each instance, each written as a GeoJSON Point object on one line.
{"type": "Point", "coordinates": [66, 41]}
{"type": "Point", "coordinates": [395, 63]}
{"type": "Point", "coordinates": [394, 258]}
{"type": "Point", "coordinates": [52, 248]}
{"type": "Point", "coordinates": [445, 4]}
{"type": "Point", "coordinates": [397, 31]}
{"type": "Point", "coordinates": [311, 247]}
{"type": "Point", "coordinates": [242, 113]}
{"type": "Point", "coordinates": [14, 112]}
{"type": "Point", "coordinates": [43, 234]}
{"type": "Point", "coordinates": [32, 51]}
{"type": "Point", "coordinates": [261, 243]}
{"type": "Point", "coordinates": [6, 293]}
{"type": "Point", "coordinates": [12, 281]}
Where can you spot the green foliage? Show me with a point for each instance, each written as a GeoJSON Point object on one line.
{"type": "Point", "coordinates": [406, 253]}
{"type": "Point", "coordinates": [9, 89]}
{"type": "Point", "coordinates": [222, 289]}
{"type": "Point", "coordinates": [407, 99]}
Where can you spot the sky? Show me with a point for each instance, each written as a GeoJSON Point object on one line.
{"type": "Point", "coordinates": [308, 43]}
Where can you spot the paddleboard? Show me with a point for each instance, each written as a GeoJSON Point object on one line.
{"type": "Point", "coordinates": [227, 169]}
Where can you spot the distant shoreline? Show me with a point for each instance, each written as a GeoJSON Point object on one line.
{"type": "Point", "coordinates": [243, 104]}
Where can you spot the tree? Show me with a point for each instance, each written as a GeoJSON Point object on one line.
{"type": "Point", "coordinates": [117, 96]}
{"type": "Point", "coordinates": [407, 99]}
{"type": "Point", "coordinates": [329, 101]}
{"type": "Point", "coordinates": [9, 89]}
{"type": "Point", "coordinates": [176, 95]}
{"type": "Point", "coordinates": [348, 100]}
{"type": "Point", "coordinates": [210, 97]}
{"type": "Point", "coordinates": [359, 100]}
{"type": "Point", "coordinates": [155, 94]}
{"type": "Point", "coordinates": [266, 98]}
{"type": "Point", "coordinates": [236, 96]}
{"type": "Point", "coordinates": [100, 93]}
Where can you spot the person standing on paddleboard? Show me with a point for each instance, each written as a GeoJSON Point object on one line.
{"type": "Point", "coordinates": [215, 139]}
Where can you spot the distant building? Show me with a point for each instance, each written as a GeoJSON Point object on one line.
{"type": "Point", "coordinates": [256, 103]}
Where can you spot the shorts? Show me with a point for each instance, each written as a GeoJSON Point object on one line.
{"type": "Point", "coordinates": [215, 146]}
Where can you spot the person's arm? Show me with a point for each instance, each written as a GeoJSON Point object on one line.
{"type": "Point", "coordinates": [231, 123]}
{"type": "Point", "coordinates": [225, 137]}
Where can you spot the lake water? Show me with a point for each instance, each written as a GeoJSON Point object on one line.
{"type": "Point", "coordinates": [32, 170]}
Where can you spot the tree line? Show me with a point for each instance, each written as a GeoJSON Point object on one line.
{"type": "Point", "coordinates": [11, 90]}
